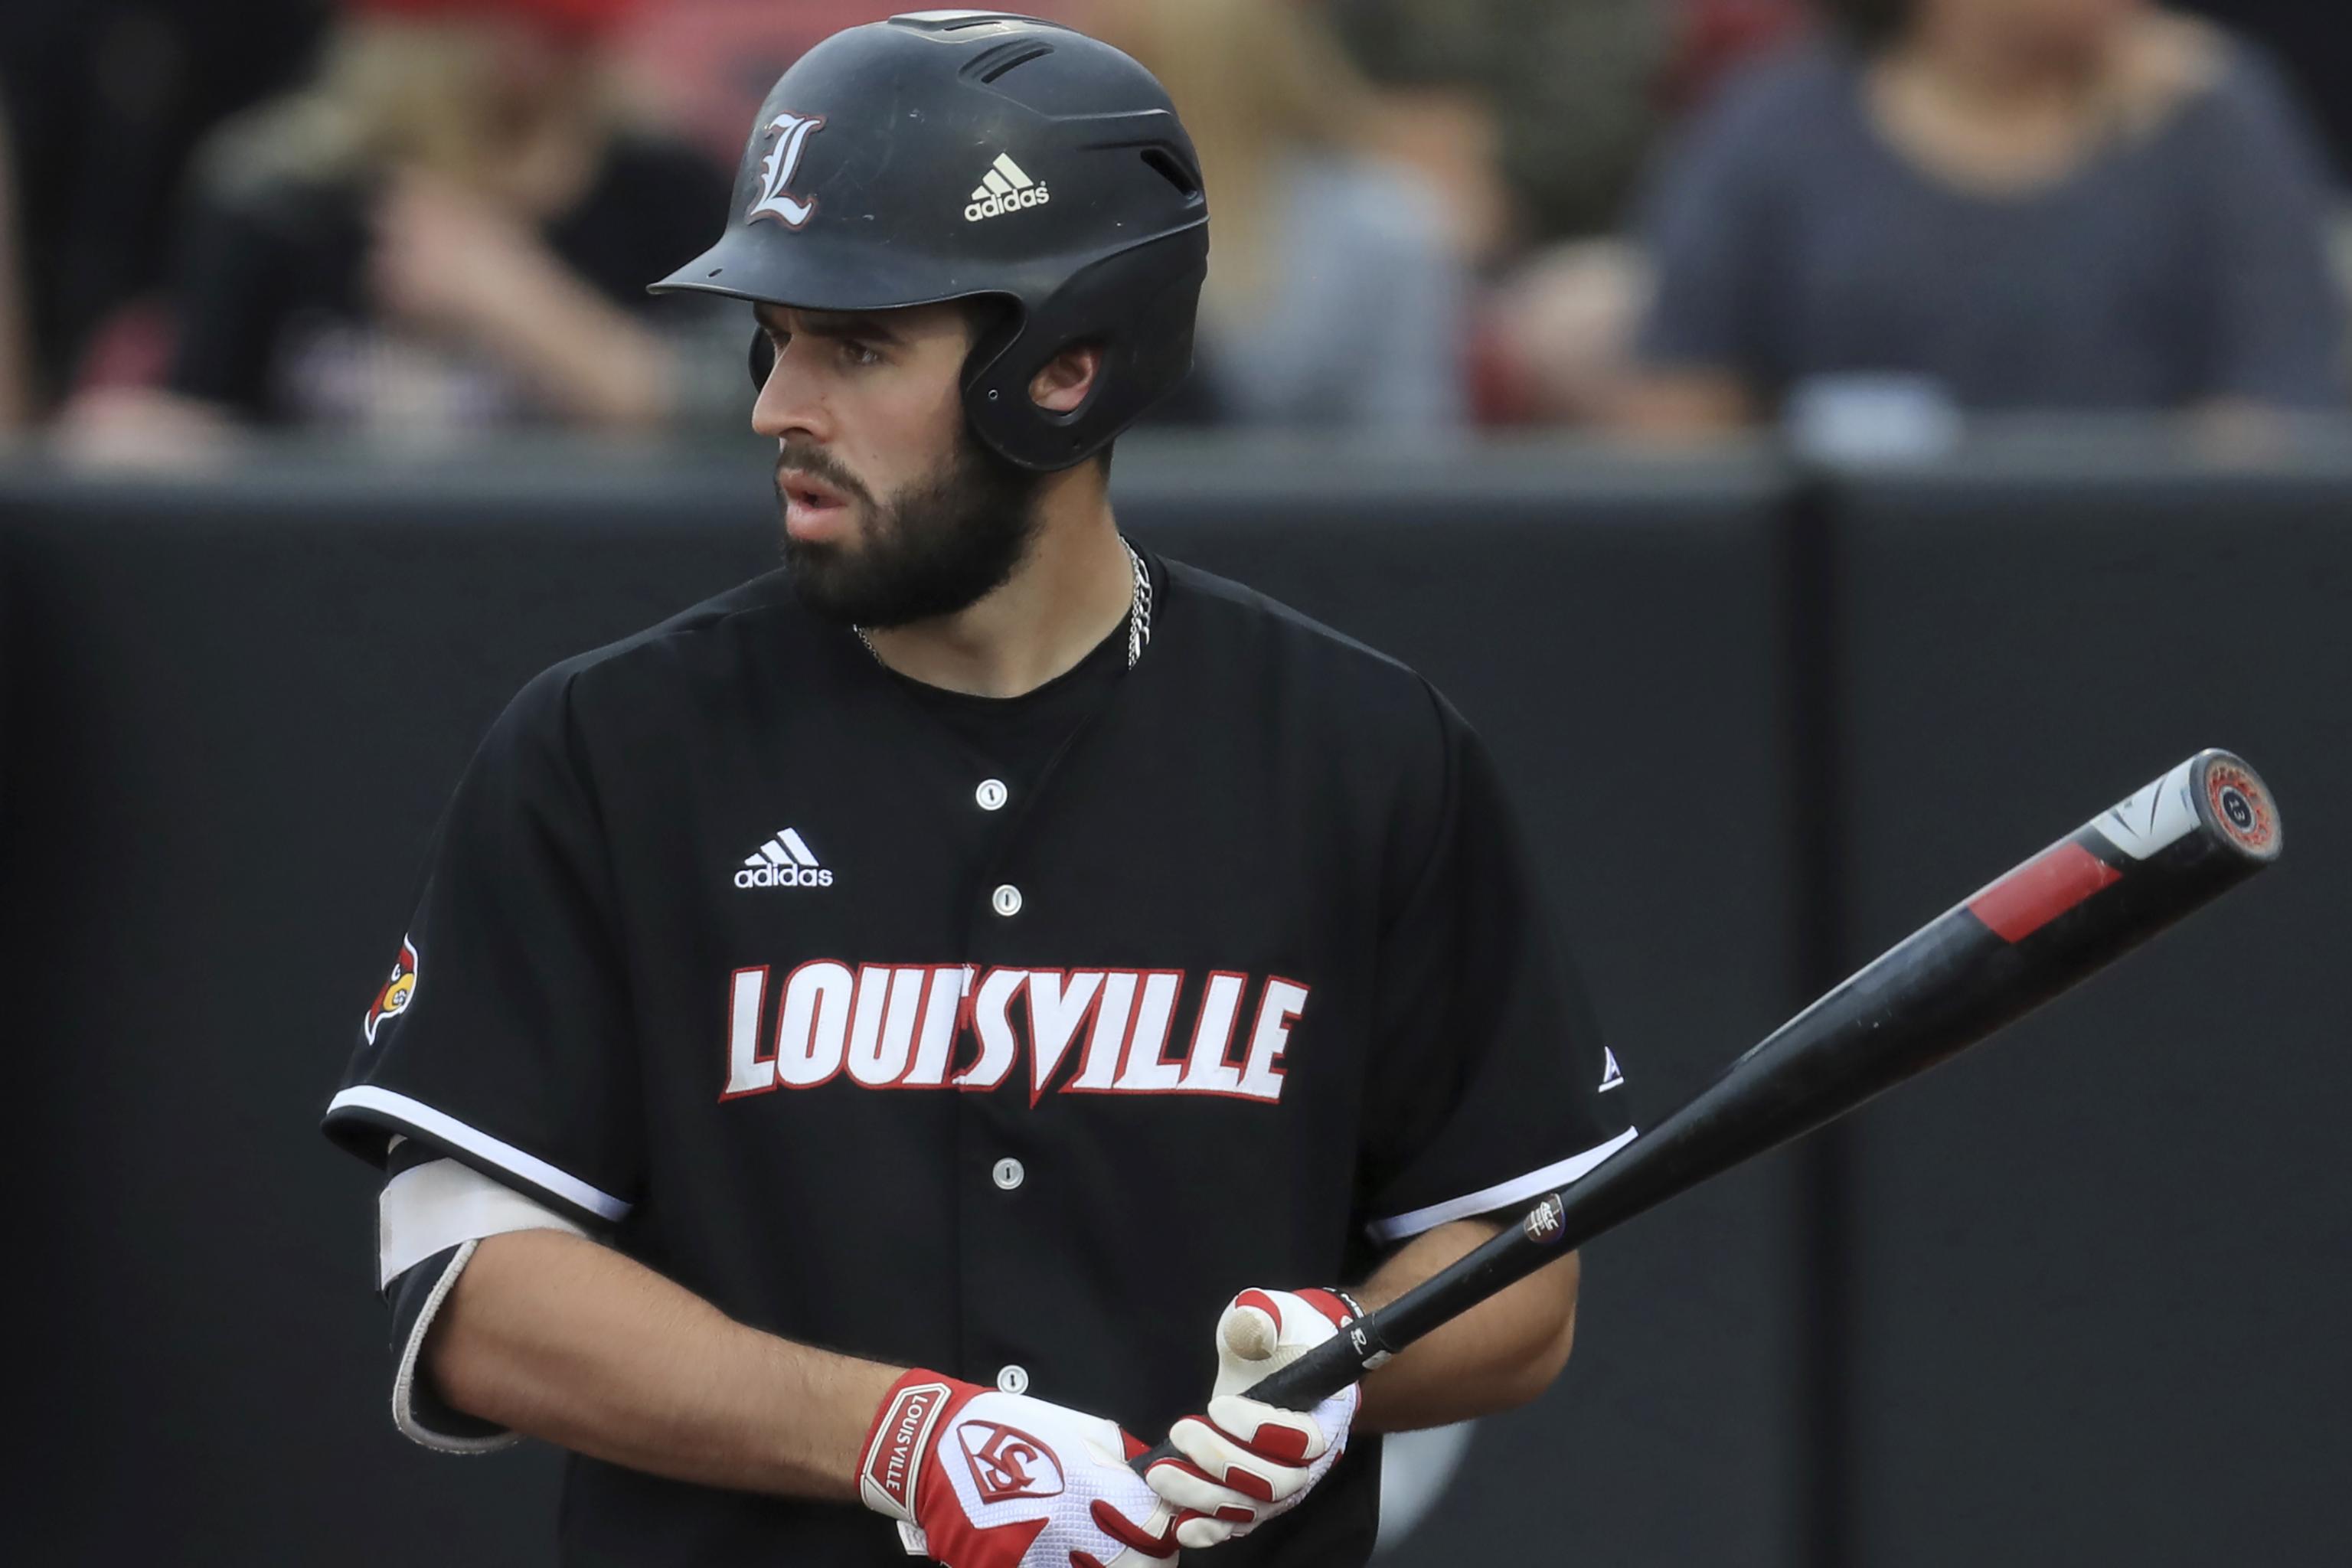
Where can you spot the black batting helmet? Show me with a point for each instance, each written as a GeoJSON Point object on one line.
{"type": "Point", "coordinates": [969, 155]}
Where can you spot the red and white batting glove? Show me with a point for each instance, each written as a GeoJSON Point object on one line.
{"type": "Point", "coordinates": [978, 1478]}
{"type": "Point", "coordinates": [1246, 1462]}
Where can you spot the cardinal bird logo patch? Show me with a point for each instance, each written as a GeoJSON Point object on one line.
{"type": "Point", "coordinates": [397, 993]}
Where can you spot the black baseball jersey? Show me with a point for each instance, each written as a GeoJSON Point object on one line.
{"type": "Point", "coordinates": [1008, 1040]}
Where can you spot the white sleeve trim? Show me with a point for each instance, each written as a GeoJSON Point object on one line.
{"type": "Point", "coordinates": [403, 1381]}
{"type": "Point", "coordinates": [436, 1206]}
{"type": "Point", "coordinates": [530, 1168]}
{"type": "Point", "coordinates": [1519, 1189]}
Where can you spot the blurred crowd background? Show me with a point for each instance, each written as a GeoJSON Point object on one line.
{"type": "Point", "coordinates": [433, 220]}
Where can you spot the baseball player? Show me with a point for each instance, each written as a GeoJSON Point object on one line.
{"type": "Point", "coordinates": [899, 1038]}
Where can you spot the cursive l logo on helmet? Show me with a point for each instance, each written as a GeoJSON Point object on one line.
{"type": "Point", "coordinates": [776, 170]}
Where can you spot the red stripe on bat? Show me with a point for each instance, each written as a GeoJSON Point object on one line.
{"type": "Point", "coordinates": [2041, 891]}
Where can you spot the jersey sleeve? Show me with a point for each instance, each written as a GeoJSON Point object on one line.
{"type": "Point", "coordinates": [502, 1036]}
{"type": "Point", "coordinates": [1490, 1084]}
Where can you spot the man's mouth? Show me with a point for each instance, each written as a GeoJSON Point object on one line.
{"type": "Point", "coordinates": [803, 488]}
{"type": "Point", "coordinates": [815, 510]}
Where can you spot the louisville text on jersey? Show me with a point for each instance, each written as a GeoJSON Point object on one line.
{"type": "Point", "coordinates": [1079, 1031]}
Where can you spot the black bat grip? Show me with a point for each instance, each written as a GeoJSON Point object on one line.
{"type": "Point", "coordinates": [1306, 1382]}
{"type": "Point", "coordinates": [1321, 1372]}
{"type": "Point", "coordinates": [1335, 1363]}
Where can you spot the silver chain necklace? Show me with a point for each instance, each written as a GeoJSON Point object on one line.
{"type": "Point", "coordinates": [1139, 612]}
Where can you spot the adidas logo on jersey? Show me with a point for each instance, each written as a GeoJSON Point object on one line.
{"type": "Point", "coordinates": [1005, 189]}
{"type": "Point", "coordinates": [783, 861]}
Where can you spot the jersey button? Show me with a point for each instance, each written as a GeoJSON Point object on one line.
{"type": "Point", "coordinates": [1009, 1173]}
{"type": "Point", "coordinates": [1006, 901]}
{"type": "Point", "coordinates": [1013, 1379]}
{"type": "Point", "coordinates": [992, 794]}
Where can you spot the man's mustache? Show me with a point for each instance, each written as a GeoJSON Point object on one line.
{"type": "Point", "coordinates": [820, 464]}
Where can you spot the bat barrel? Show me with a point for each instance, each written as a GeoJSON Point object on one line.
{"type": "Point", "coordinates": [2117, 880]}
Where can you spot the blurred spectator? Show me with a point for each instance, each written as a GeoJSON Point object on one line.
{"type": "Point", "coordinates": [706, 65]}
{"type": "Point", "coordinates": [1335, 297]}
{"type": "Point", "coordinates": [2313, 44]}
{"type": "Point", "coordinates": [1559, 98]}
{"type": "Point", "coordinates": [1554, 336]}
{"type": "Point", "coordinates": [16, 345]}
{"type": "Point", "coordinates": [1536, 117]}
{"type": "Point", "coordinates": [703, 66]}
{"type": "Point", "coordinates": [450, 229]}
{"type": "Point", "coordinates": [2013, 203]}
{"type": "Point", "coordinates": [1713, 37]}
{"type": "Point", "coordinates": [106, 99]}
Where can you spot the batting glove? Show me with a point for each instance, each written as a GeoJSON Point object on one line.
{"type": "Point", "coordinates": [978, 1478]}
{"type": "Point", "coordinates": [1246, 1462]}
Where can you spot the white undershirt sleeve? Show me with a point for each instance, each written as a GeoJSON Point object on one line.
{"type": "Point", "coordinates": [436, 1206]}
{"type": "Point", "coordinates": [444, 1207]}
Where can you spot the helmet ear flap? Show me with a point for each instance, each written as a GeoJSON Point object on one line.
{"type": "Point", "coordinates": [763, 359]}
{"type": "Point", "coordinates": [1139, 306]}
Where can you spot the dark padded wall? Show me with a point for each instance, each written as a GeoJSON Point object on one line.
{"type": "Point", "coordinates": [2105, 1259]}
{"type": "Point", "coordinates": [2098, 1282]}
{"type": "Point", "coordinates": [233, 715]}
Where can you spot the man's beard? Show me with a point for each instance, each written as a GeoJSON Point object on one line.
{"type": "Point", "coordinates": [939, 546]}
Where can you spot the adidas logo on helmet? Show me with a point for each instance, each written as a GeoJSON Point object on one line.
{"type": "Point", "coordinates": [1005, 188]}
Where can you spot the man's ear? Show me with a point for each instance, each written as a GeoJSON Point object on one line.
{"type": "Point", "coordinates": [1063, 385]}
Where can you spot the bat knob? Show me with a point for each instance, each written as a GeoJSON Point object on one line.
{"type": "Point", "coordinates": [2236, 804]}
{"type": "Point", "coordinates": [1250, 1333]}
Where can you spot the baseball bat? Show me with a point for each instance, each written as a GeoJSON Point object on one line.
{"type": "Point", "coordinates": [2060, 916]}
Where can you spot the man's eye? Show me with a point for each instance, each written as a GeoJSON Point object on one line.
{"type": "Point", "coordinates": [858, 353]}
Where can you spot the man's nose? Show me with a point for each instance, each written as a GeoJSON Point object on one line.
{"type": "Point", "coordinates": [789, 405]}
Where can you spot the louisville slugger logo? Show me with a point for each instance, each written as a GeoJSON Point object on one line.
{"type": "Point", "coordinates": [776, 203]}
{"type": "Point", "coordinates": [1543, 1224]}
{"type": "Point", "coordinates": [899, 1437]}
{"type": "Point", "coordinates": [1007, 1463]}
{"type": "Point", "coordinates": [1081, 1031]}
